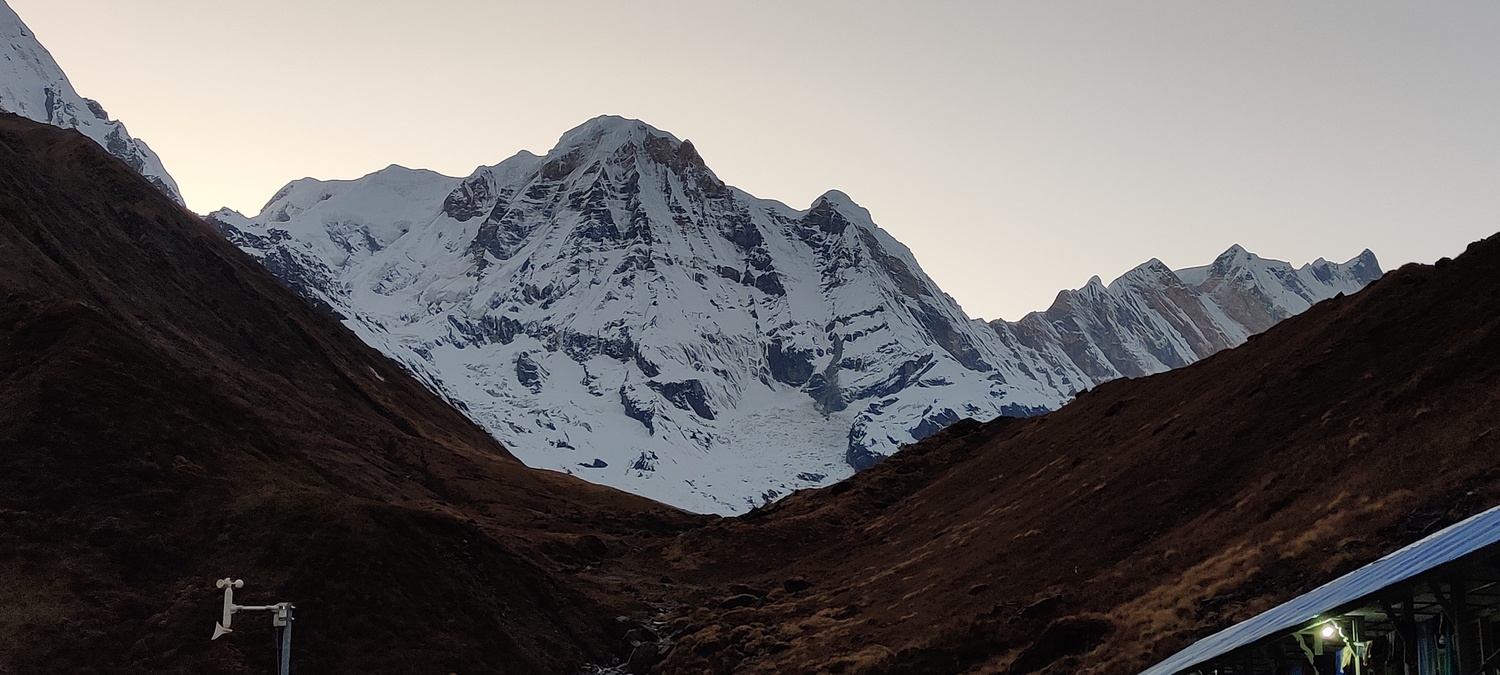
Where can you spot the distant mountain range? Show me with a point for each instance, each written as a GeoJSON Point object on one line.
{"type": "Point", "coordinates": [1153, 318]}
{"type": "Point", "coordinates": [612, 309]}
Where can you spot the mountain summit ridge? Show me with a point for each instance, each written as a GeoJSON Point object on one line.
{"type": "Point", "coordinates": [1153, 318]}
{"type": "Point", "coordinates": [34, 86]}
{"type": "Point", "coordinates": [614, 310]}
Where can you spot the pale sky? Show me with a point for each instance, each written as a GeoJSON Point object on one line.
{"type": "Point", "coordinates": [1017, 147]}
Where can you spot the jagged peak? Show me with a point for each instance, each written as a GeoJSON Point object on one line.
{"type": "Point", "coordinates": [1093, 289]}
{"type": "Point", "coordinates": [615, 139]}
{"type": "Point", "coordinates": [1237, 258]}
{"type": "Point", "coordinates": [225, 212]}
{"type": "Point", "coordinates": [1236, 252]}
{"type": "Point", "coordinates": [842, 203]}
{"type": "Point", "coordinates": [1365, 258]}
{"type": "Point", "coordinates": [1151, 272]}
{"type": "Point", "coordinates": [1153, 266]}
{"type": "Point", "coordinates": [607, 133]}
{"type": "Point", "coordinates": [1363, 267]}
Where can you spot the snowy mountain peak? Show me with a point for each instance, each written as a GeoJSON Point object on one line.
{"type": "Point", "coordinates": [1363, 267]}
{"type": "Point", "coordinates": [599, 130]}
{"type": "Point", "coordinates": [1153, 272]}
{"type": "Point", "coordinates": [846, 206]}
{"type": "Point", "coordinates": [620, 141]}
{"type": "Point", "coordinates": [612, 310]}
{"type": "Point", "coordinates": [1234, 254]}
{"type": "Point", "coordinates": [32, 85]}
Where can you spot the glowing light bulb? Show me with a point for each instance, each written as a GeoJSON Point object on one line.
{"type": "Point", "coordinates": [1329, 631]}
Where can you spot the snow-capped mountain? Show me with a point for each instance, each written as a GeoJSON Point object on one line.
{"type": "Point", "coordinates": [614, 310]}
{"type": "Point", "coordinates": [32, 85]}
{"type": "Point", "coordinates": [1154, 319]}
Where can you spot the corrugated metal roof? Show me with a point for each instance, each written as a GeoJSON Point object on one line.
{"type": "Point", "coordinates": [1441, 547]}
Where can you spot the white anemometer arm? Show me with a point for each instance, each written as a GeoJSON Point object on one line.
{"type": "Point", "coordinates": [282, 618]}
{"type": "Point", "coordinates": [230, 608]}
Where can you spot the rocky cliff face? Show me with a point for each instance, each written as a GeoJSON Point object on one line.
{"type": "Point", "coordinates": [614, 310]}
{"type": "Point", "coordinates": [32, 85]}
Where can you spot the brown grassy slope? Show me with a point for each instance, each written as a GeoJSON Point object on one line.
{"type": "Point", "coordinates": [170, 415]}
{"type": "Point", "coordinates": [1110, 533]}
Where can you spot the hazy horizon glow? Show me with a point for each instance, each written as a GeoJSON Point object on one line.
{"type": "Point", "coordinates": [1017, 148]}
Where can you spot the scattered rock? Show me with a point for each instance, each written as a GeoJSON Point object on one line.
{"type": "Point", "coordinates": [741, 589]}
{"type": "Point", "coordinates": [642, 635]}
{"type": "Point", "coordinates": [796, 585]}
{"type": "Point", "coordinates": [622, 626]}
{"type": "Point", "coordinates": [1041, 608]}
{"type": "Point", "coordinates": [741, 600]}
{"type": "Point", "coordinates": [848, 611]}
{"type": "Point", "coordinates": [592, 545]}
{"type": "Point", "coordinates": [644, 658]}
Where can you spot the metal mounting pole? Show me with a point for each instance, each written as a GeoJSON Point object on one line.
{"type": "Point", "coordinates": [281, 617]}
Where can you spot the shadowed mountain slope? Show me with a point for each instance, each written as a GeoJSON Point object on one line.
{"type": "Point", "coordinates": [1147, 513]}
{"type": "Point", "coordinates": [169, 414]}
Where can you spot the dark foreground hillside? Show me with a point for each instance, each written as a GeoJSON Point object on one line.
{"type": "Point", "coordinates": [1149, 512]}
{"type": "Point", "coordinates": [169, 415]}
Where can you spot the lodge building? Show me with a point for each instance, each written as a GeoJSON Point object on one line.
{"type": "Point", "coordinates": [1431, 608]}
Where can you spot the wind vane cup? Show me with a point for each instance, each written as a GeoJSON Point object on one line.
{"type": "Point", "coordinates": [281, 618]}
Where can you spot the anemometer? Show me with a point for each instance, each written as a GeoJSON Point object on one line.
{"type": "Point", "coordinates": [281, 617]}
